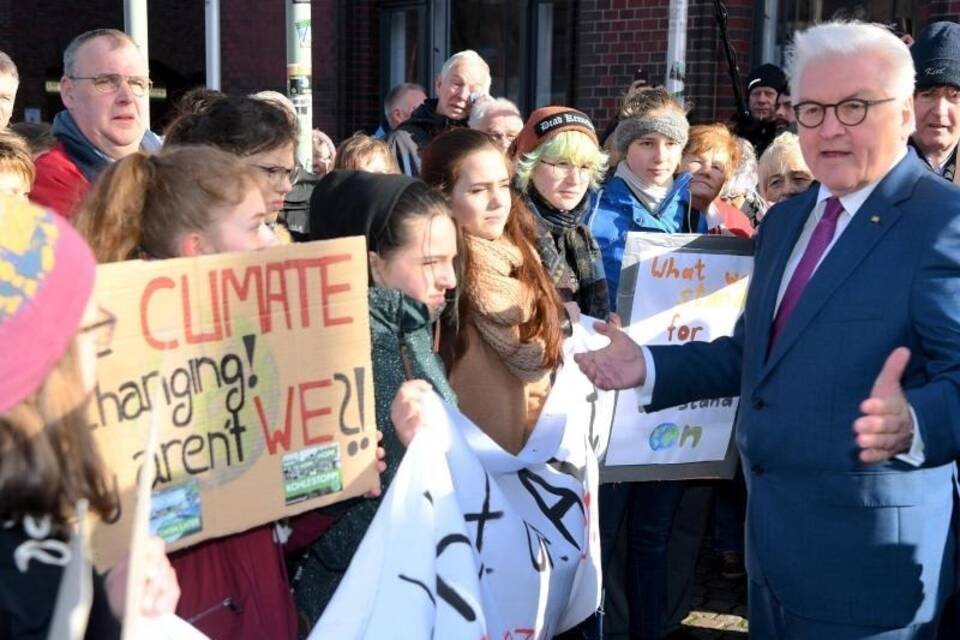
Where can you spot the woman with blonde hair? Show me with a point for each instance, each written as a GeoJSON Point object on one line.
{"type": "Point", "coordinates": [559, 166]}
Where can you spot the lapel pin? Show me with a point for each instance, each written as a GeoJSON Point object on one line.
{"type": "Point", "coordinates": [875, 219]}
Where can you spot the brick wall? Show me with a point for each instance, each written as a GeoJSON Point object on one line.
{"type": "Point", "coordinates": [358, 42]}
{"type": "Point", "coordinates": [937, 10]}
{"type": "Point", "coordinates": [709, 87]}
{"type": "Point", "coordinates": [253, 45]}
{"type": "Point", "coordinates": [614, 38]}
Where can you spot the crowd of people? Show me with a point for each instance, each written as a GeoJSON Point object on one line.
{"type": "Point", "coordinates": [488, 236]}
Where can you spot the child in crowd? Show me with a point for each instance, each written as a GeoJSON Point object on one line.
{"type": "Point", "coordinates": [49, 462]}
{"type": "Point", "coordinates": [412, 243]}
{"type": "Point", "coordinates": [360, 152]}
{"type": "Point", "coordinates": [644, 194]}
{"type": "Point", "coordinates": [16, 166]}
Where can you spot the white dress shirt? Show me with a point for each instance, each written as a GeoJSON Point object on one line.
{"type": "Point", "coordinates": [851, 205]}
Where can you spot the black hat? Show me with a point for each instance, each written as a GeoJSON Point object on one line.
{"type": "Point", "coordinates": [936, 55]}
{"type": "Point", "coordinates": [768, 75]}
{"type": "Point", "coordinates": [355, 203]}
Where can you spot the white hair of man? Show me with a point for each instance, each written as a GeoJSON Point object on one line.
{"type": "Point", "coordinates": [744, 178]}
{"type": "Point", "coordinates": [489, 106]}
{"type": "Point", "coordinates": [843, 39]}
{"type": "Point", "coordinates": [471, 58]}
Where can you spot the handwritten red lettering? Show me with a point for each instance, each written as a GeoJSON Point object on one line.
{"type": "Point", "coordinates": [308, 414]}
{"type": "Point", "coordinates": [271, 435]}
{"type": "Point", "coordinates": [151, 288]}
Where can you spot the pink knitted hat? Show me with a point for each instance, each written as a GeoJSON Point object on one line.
{"type": "Point", "coordinates": [46, 278]}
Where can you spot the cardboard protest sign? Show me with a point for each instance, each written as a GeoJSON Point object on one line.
{"type": "Point", "coordinates": [675, 289]}
{"type": "Point", "coordinates": [257, 367]}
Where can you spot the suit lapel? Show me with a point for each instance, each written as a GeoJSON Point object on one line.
{"type": "Point", "coordinates": [874, 219]}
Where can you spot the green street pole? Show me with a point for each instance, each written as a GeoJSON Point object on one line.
{"type": "Point", "coordinates": [299, 49]}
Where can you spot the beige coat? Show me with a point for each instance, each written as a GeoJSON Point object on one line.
{"type": "Point", "coordinates": [498, 402]}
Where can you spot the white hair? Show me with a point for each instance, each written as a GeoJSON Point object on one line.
{"type": "Point", "coordinates": [468, 57]}
{"type": "Point", "coordinates": [843, 39]}
{"type": "Point", "coordinates": [744, 178]}
{"type": "Point", "coordinates": [488, 106]}
{"type": "Point", "coordinates": [277, 99]}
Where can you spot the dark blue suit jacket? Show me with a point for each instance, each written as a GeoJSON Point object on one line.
{"type": "Point", "coordinates": [834, 539]}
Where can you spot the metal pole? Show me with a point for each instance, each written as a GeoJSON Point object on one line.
{"type": "Point", "coordinates": [299, 51]}
{"type": "Point", "coordinates": [135, 24]}
{"type": "Point", "coordinates": [677, 48]}
{"type": "Point", "coordinates": [213, 43]}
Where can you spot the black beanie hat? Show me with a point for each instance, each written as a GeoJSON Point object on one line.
{"type": "Point", "coordinates": [355, 203]}
{"type": "Point", "coordinates": [936, 55]}
{"type": "Point", "coordinates": [767, 75]}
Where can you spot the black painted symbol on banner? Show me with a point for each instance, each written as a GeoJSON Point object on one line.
{"type": "Point", "coordinates": [484, 515]}
{"type": "Point", "coordinates": [447, 593]}
{"type": "Point", "coordinates": [539, 550]}
{"type": "Point", "coordinates": [593, 439]}
{"type": "Point", "coordinates": [352, 447]}
{"type": "Point", "coordinates": [567, 500]}
{"type": "Point", "coordinates": [250, 345]}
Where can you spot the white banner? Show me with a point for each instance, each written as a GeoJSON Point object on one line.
{"type": "Point", "coordinates": [473, 542]}
{"type": "Point", "coordinates": [681, 294]}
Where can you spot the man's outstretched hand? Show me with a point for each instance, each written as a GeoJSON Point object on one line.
{"type": "Point", "coordinates": [886, 427]}
{"type": "Point", "coordinates": [619, 365]}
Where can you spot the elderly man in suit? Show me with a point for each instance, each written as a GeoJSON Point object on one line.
{"type": "Point", "coordinates": [846, 359]}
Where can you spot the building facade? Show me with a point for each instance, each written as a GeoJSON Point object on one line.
{"type": "Point", "coordinates": [582, 53]}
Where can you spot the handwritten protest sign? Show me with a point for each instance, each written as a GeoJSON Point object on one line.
{"type": "Point", "coordinates": [676, 289]}
{"type": "Point", "coordinates": [258, 368]}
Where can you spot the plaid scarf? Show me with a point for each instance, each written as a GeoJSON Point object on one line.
{"type": "Point", "coordinates": [570, 254]}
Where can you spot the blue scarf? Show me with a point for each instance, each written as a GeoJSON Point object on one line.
{"type": "Point", "coordinates": [89, 159]}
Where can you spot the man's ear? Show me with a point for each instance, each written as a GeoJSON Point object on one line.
{"type": "Point", "coordinates": [66, 91]}
{"type": "Point", "coordinates": [909, 117]}
{"type": "Point", "coordinates": [376, 268]}
{"type": "Point", "coordinates": [436, 85]}
{"type": "Point", "coordinates": [191, 244]}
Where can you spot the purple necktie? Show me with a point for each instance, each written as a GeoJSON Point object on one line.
{"type": "Point", "coordinates": [819, 241]}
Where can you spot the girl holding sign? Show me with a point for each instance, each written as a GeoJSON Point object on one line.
{"type": "Point", "coordinates": [412, 244]}
{"type": "Point", "coordinates": [48, 459]}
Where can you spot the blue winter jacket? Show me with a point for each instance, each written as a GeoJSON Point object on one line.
{"type": "Point", "coordinates": [619, 211]}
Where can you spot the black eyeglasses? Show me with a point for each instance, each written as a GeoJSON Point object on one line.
{"type": "Point", "coordinates": [111, 83]}
{"type": "Point", "coordinates": [277, 174]}
{"type": "Point", "coordinates": [849, 112]}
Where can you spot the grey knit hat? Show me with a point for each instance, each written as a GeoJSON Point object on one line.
{"type": "Point", "coordinates": [670, 123]}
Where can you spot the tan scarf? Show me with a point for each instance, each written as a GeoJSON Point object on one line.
{"type": "Point", "coordinates": [502, 303]}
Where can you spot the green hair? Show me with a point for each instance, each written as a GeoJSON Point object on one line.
{"type": "Point", "coordinates": [574, 147]}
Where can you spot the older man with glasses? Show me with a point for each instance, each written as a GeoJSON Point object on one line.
{"type": "Point", "coordinates": [846, 360]}
{"type": "Point", "coordinates": [106, 90]}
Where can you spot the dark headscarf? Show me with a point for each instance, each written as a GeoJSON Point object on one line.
{"type": "Point", "coordinates": [355, 203]}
